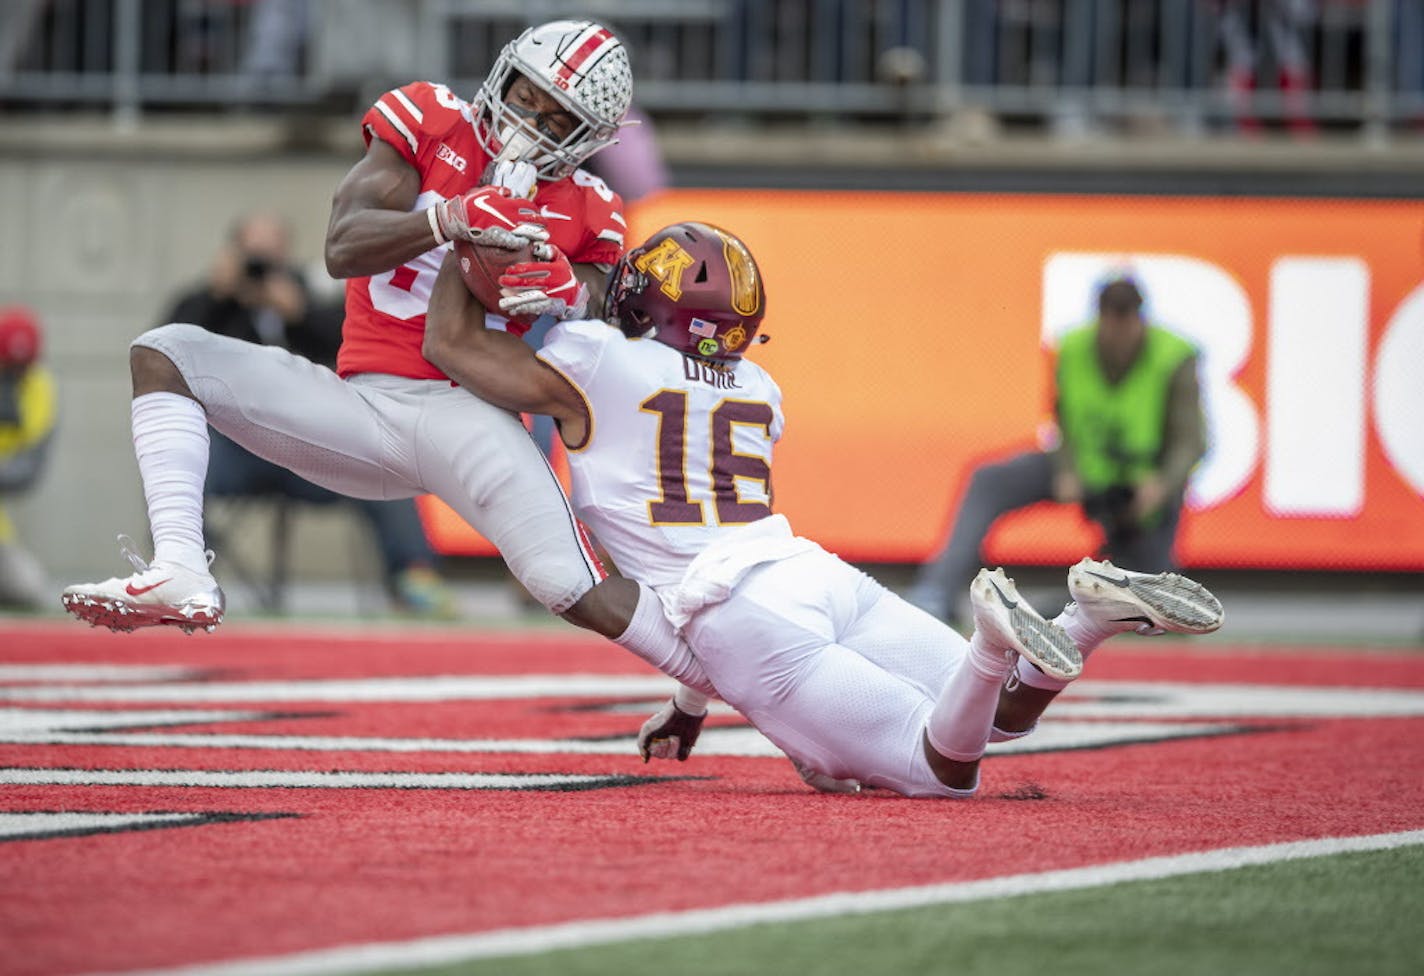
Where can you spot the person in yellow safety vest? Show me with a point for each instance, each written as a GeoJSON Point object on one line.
{"type": "Point", "coordinates": [27, 420]}
{"type": "Point", "coordinates": [1131, 431]}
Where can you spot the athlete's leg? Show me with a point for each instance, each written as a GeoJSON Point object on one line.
{"type": "Point", "coordinates": [1006, 631]}
{"type": "Point", "coordinates": [353, 439]}
{"type": "Point", "coordinates": [483, 463]}
{"type": "Point", "coordinates": [1108, 601]}
{"type": "Point", "coordinates": [901, 638]}
{"type": "Point", "coordinates": [770, 650]}
{"type": "Point", "coordinates": [280, 407]}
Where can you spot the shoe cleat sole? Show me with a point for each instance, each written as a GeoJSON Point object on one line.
{"type": "Point", "coordinates": [1044, 643]}
{"type": "Point", "coordinates": [1160, 601]}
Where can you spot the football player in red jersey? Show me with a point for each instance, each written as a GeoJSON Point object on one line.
{"type": "Point", "coordinates": [391, 425]}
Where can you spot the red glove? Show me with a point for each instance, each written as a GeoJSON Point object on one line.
{"type": "Point", "coordinates": [490, 216]}
{"type": "Point", "coordinates": [537, 288]}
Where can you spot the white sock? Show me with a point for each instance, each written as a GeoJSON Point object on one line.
{"type": "Point", "coordinates": [651, 636]}
{"type": "Point", "coordinates": [170, 436]}
{"type": "Point", "coordinates": [959, 726]}
{"type": "Point", "coordinates": [1085, 632]}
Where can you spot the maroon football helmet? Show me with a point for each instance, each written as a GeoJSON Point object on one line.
{"type": "Point", "coordinates": [695, 286]}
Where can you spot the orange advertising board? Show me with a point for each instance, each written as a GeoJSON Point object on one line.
{"type": "Point", "coordinates": [910, 335]}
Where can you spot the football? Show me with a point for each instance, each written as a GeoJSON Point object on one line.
{"type": "Point", "coordinates": [482, 266]}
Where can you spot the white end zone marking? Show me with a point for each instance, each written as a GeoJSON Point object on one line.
{"type": "Point", "coordinates": [450, 949]}
{"type": "Point", "coordinates": [258, 779]}
{"type": "Point", "coordinates": [31, 824]}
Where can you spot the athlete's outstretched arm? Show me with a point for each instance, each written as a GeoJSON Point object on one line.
{"type": "Point", "coordinates": [372, 228]}
{"type": "Point", "coordinates": [495, 366]}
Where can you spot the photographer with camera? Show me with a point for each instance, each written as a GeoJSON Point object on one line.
{"type": "Point", "coordinates": [27, 419]}
{"type": "Point", "coordinates": [1131, 430]}
{"type": "Point", "coordinates": [253, 292]}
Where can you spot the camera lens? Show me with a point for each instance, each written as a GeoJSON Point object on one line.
{"type": "Point", "coordinates": [257, 268]}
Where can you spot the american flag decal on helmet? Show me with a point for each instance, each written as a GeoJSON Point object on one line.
{"type": "Point", "coordinates": [701, 327]}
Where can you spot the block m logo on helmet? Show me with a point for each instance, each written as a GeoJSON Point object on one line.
{"type": "Point", "coordinates": [666, 263]}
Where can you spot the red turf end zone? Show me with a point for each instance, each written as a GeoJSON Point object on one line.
{"type": "Point", "coordinates": [345, 866]}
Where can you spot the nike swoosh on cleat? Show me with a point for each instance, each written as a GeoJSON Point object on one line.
{"type": "Point", "coordinates": [1124, 581]}
{"type": "Point", "coordinates": [483, 205]}
{"type": "Point", "coordinates": [1011, 604]}
{"type": "Point", "coordinates": [131, 590]}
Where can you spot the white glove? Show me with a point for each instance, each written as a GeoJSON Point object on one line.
{"type": "Point", "coordinates": [516, 176]}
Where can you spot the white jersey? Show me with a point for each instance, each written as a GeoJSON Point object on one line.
{"type": "Point", "coordinates": [678, 452]}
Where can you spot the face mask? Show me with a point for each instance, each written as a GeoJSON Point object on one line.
{"type": "Point", "coordinates": [515, 143]}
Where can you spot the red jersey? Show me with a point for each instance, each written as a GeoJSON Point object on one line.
{"type": "Point", "coordinates": [433, 130]}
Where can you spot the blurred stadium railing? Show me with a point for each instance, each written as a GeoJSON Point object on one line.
{"type": "Point", "coordinates": [1351, 65]}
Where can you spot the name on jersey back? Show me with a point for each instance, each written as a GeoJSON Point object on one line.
{"type": "Point", "coordinates": [718, 377]}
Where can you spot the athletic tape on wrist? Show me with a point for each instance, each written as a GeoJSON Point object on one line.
{"type": "Point", "coordinates": [440, 239]}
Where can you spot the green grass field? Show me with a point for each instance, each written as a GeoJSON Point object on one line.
{"type": "Point", "coordinates": [1346, 914]}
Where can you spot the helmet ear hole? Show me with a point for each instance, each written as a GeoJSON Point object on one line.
{"type": "Point", "coordinates": [701, 274]}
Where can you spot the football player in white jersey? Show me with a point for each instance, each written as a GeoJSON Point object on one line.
{"type": "Point", "coordinates": [670, 434]}
{"type": "Point", "coordinates": [501, 171]}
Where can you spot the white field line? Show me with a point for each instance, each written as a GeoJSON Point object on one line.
{"type": "Point", "coordinates": [445, 950]}
{"type": "Point", "coordinates": [291, 779]}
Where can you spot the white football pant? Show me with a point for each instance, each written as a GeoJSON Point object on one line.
{"type": "Point", "coordinates": [831, 666]}
{"type": "Point", "coordinates": [379, 436]}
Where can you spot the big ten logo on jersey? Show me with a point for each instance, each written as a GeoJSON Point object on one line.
{"type": "Point", "coordinates": [666, 264]}
{"type": "Point", "coordinates": [447, 155]}
{"type": "Point", "coordinates": [1317, 375]}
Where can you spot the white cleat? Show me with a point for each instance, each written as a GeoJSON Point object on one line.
{"type": "Point", "coordinates": [1149, 603]}
{"type": "Point", "coordinates": [155, 595]}
{"type": "Point", "coordinates": [1006, 619]}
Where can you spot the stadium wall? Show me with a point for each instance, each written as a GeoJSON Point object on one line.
{"type": "Point", "coordinates": [931, 360]}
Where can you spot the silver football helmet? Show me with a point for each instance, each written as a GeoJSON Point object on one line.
{"type": "Point", "coordinates": [582, 66]}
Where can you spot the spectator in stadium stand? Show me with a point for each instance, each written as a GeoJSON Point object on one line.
{"type": "Point", "coordinates": [1285, 23]}
{"type": "Point", "coordinates": [254, 293]}
{"type": "Point", "coordinates": [27, 422]}
{"type": "Point", "coordinates": [1131, 430]}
